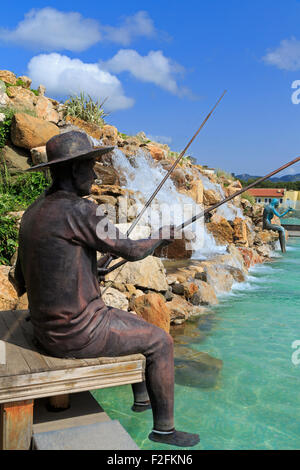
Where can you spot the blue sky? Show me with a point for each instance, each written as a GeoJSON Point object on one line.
{"type": "Point", "coordinates": [164, 64]}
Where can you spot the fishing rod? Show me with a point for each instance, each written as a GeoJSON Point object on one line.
{"type": "Point", "coordinates": [107, 259]}
{"type": "Point", "coordinates": [218, 204]}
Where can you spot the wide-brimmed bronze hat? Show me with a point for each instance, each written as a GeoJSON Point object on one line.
{"type": "Point", "coordinates": [70, 146]}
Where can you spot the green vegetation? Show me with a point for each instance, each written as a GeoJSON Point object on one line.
{"type": "Point", "coordinates": [5, 125]}
{"type": "Point", "coordinates": [249, 197]}
{"type": "Point", "coordinates": [224, 173]}
{"type": "Point", "coordinates": [289, 185]}
{"type": "Point", "coordinates": [16, 195]}
{"type": "Point", "coordinates": [84, 107]}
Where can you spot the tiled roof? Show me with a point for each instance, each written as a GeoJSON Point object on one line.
{"type": "Point", "coordinates": [266, 192]}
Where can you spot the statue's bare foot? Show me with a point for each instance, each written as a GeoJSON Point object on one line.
{"type": "Point", "coordinates": [175, 438]}
{"type": "Point", "coordinates": [138, 407]}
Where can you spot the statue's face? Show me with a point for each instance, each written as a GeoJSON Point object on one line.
{"type": "Point", "coordinates": [84, 176]}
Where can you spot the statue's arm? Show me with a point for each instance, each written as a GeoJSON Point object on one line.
{"type": "Point", "coordinates": [281, 215]}
{"type": "Point", "coordinates": [16, 278]}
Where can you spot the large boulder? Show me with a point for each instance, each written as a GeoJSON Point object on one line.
{"type": "Point", "coordinates": [152, 308]}
{"type": "Point", "coordinates": [29, 132]}
{"type": "Point", "coordinates": [148, 273]}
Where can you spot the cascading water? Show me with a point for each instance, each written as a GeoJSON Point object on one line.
{"type": "Point", "coordinates": [143, 175]}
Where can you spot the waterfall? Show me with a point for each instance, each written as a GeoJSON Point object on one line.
{"type": "Point", "coordinates": [143, 175]}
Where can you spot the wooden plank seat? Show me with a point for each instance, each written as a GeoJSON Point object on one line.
{"type": "Point", "coordinates": [26, 374]}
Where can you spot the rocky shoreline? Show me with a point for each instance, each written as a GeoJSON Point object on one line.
{"type": "Point", "coordinates": [162, 291]}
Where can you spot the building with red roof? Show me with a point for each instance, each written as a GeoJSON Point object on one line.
{"type": "Point", "coordinates": [265, 195]}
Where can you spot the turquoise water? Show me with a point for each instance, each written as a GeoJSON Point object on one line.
{"type": "Point", "coordinates": [253, 402]}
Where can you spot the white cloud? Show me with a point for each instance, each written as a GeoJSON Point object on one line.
{"type": "Point", "coordinates": [133, 26]}
{"type": "Point", "coordinates": [286, 56]}
{"type": "Point", "coordinates": [162, 139]}
{"type": "Point", "coordinates": [63, 76]}
{"type": "Point", "coordinates": [49, 29]}
{"type": "Point", "coordinates": [154, 68]}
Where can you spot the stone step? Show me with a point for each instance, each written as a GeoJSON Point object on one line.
{"type": "Point", "coordinates": [107, 435]}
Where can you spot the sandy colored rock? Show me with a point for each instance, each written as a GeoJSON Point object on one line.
{"type": "Point", "coordinates": [26, 81]}
{"type": "Point", "coordinates": [109, 135]}
{"type": "Point", "coordinates": [240, 232]}
{"type": "Point", "coordinates": [190, 288]}
{"type": "Point", "coordinates": [30, 132]}
{"type": "Point", "coordinates": [265, 236]}
{"type": "Point", "coordinates": [41, 90]}
{"type": "Point", "coordinates": [44, 109]}
{"type": "Point", "coordinates": [218, 277]}
{"type": "Point", "coordinates": [8, 295]}
{"type": "Point", "coordinates": [148, 273]}
{"type": "Point", "coordinates": [220, 229]}
{"type": "Point", "coordinates": [21, 98]}
{"type": "Point", "coordinates": [115, 298]}
{"type": "Point", "coordinates": [8, 77]}
{"type": "Point", "coordinates": [110, 190]}
{"type": "Point", "coordinates": [156, 152]}
{"type": "Point", "coordinates": [153, 309]}
{"type": "Point", "coordinates": [22, 303]}
{"type": "Point", "coordinates": [205, 294]}
{"type": "Point", "coordinates": [210, 197]}
{"type": "Point", "coordinates": [91, 129]}
{"type": "Point", "coordinates": [179, 308]}
{"type": "Point", "coordinates": [196, 191]}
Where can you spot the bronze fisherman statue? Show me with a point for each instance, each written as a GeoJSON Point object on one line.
{"type": "Point", "coordinates": [57, 266]}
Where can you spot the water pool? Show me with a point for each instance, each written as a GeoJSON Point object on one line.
{"type": "Point", "coordinates": [253, 402]}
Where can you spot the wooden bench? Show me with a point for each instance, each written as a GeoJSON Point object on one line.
{"type": "Point", "coordinates": [26, 374]}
